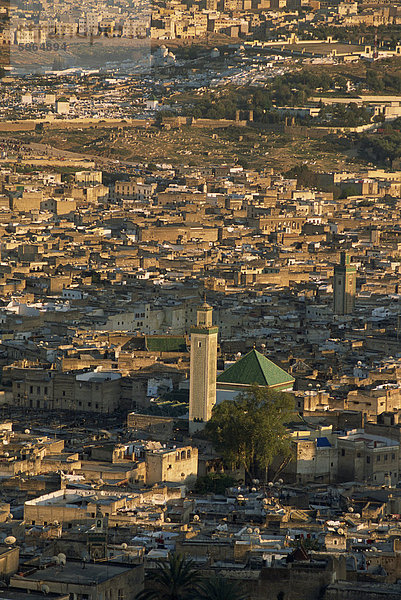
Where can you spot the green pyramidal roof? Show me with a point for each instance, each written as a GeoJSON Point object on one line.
{"type": "Point", "coordinates": [254, 368]}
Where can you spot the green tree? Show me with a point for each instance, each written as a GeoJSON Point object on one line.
{"type": "Point", "coordinates": [219, 588]}
{"type": "Point", "coordinates": [174, 578]}
{"type": "Point", "coordinates": [216, 483]}
{"type": "Point", "coordinates": [250, 430]}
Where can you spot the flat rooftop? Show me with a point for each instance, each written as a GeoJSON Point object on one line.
{"type": "Point", "coordinates": [73, 572]}
{"type": "Point", "coordinates": [372, 441]}
{"type": "Point", "coordinates": [17, 594]}
{"type": "Point", "coordinates": [77, 498]}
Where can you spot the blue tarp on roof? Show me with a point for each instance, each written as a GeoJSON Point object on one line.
{"type": "Point", "coordinates": [323, 442]}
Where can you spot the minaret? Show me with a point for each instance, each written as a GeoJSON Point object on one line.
{"type": "Point", "coordinates": [344, 286]}
{"type": "Point", "coordinates": [203, 369]}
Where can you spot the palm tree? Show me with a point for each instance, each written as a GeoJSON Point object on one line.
{"type": "Point", "coordinates": [174, 578]}
{"type": "Point", "coordinates": [219, 588]}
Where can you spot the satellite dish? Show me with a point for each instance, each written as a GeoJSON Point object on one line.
{"type": "Point", "coordinates": [357, 516]}
{"type": "Point", "coordinates": [62, 558]}
{"type": "Point", "coordinates": [124, 546]}
{"type": "Point", "coordinates": [196, 518]}
{"type": "Point", "coordinates": [6, 454]}
{"type": "Point", "coordinates": [27, 431]}
{"type": "Point", "coordinates": [45, 588]}
{"type": "Point", "coordinates": [5, 442]}
{"type": "Point", "coordinates": [10, 539]}
{"type": "Point", "coordinates": [168, 520]}
{"type": "Point", "coordinates": [351, 509]}
{"type": "Point", "coordinates": [340, 531]}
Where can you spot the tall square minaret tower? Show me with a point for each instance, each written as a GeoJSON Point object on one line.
{"type": "Point", "coordinates": [203, 369]}
{"type": "Point", "coordinates": [344, 286]}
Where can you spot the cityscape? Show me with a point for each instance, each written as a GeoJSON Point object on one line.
{"type": "Point", "coordinates": [200, 300]}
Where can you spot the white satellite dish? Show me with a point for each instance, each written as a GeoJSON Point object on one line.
{"type": "Point", "coordinates": [10, 539]}
{"type": "Point", "coordinates": [27, 431]}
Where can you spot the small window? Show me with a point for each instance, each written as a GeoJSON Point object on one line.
{"type": "Point", "coordinates": [199, 344]}
{"type": "Point", "coordinates": [343, 452]}
{"type": "Point", "coordinates": [368, 459]}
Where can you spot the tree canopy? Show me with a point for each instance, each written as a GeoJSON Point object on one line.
{"type": "Point", "coordinates": [250, 430]}
{"type": "Point", "coordinates": [219, 588]}
{"type": "Point", "coordinates": [174, 578]}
